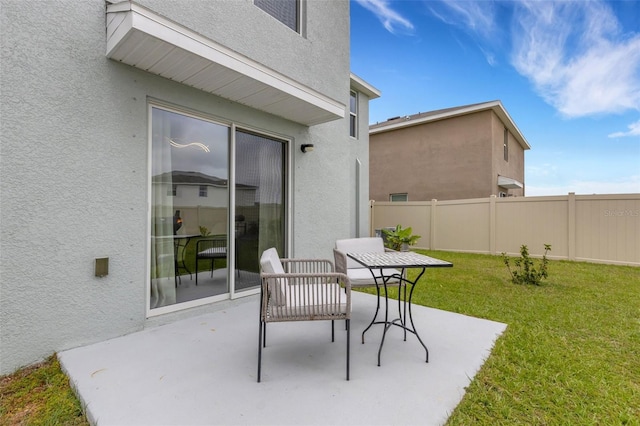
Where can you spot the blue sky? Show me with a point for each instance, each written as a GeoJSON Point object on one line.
{"type": "Point", "coordinates": [568, 73]}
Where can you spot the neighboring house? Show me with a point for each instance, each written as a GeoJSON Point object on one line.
{"type": "Point", "coordinates": [116, 115]}
{"type": "Point", "coordinates": [471, 151]}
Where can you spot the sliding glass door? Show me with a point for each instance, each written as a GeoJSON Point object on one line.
{"type": "Point", "coordinates": [202, 248]}
{"type": "Point", "coordinates": [259, 203]}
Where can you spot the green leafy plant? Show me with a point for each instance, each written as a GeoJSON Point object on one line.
{"type": "Point", "coordinates": [400, 238]}
{"type": "Point", "coordinates": [204, 231]}
{"type": "Point", "coordinates": [525, 270]}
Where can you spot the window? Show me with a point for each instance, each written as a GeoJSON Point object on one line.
{"type": "Point", "coordinates": [285, 11]}
{"type": "Point", "coordinates": [353, 115]}
{"type": "Point", "coordinates": [399, 197]}
{"type": "Point", "coordinates": [203, 191]}
{"type": "Point", "coordinates": [505, 144]}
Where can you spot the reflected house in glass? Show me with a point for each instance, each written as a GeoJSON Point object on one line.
{"type": "Point", "coordinates": [201, 200]}
{"type": "Point", "coordinates": [141, 110]}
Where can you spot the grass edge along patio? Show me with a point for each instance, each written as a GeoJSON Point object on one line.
{"type": "Point", "coordinates": [567, 356]}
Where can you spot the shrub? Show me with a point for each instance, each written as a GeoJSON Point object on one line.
{"type": "Point", "coordinates": [397, 238]}
{"type": "Point", "coordinates": [525, 270]}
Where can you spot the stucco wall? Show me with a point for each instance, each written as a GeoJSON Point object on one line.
{"type": "Point", "coordinates": [74, 159]}
{"type": "Point", "coordinates": [446, 159]}
{"type": "Point", "coordinates": [514, 167]}
{"type": "Point", "coordinates": [317, 58]}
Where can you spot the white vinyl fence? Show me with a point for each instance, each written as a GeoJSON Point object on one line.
{"type": "Point", "coordinates": [594, 228]}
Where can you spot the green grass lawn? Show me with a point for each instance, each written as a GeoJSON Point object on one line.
{"type": "Point", "coordinates": [570, 354]}
{"type": "Point", "coordinates": [571, 351]}
{"type": "Point", "coordinates": [39, 395]}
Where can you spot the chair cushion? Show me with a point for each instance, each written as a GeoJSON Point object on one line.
{"type": "Point", "coordinates": [270, 264]}
{"type": "Point", "coordinates": [213, 252]}
{"type": "Point", "coordinates": [361, 277]}
{"type": "Point", "coordinates": [359, 245]}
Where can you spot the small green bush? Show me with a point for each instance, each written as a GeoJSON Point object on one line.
{"type": "Point", "coordinates": [525, 270]}
{"type": "Point", "coordinates": [397, 238]}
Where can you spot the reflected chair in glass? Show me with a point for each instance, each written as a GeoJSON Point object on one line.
{"type": "Point", "coordinates": [210, 249]}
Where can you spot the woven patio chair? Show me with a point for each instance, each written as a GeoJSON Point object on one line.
{"type": "Point", "coordinates": [358, 274]}
{"type": "Point", "coordinates": [301, 290]}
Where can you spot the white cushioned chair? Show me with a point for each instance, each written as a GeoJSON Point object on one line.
{"type": "Point", "coordinates": [301, 290]}
{"type": "Point", "coordinates": [358, 274]}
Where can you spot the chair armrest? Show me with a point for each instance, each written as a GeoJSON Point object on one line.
{"type": "Point", "coordinates": [341, 261]}
{"type": "Point", "coordinates": [307, 266]}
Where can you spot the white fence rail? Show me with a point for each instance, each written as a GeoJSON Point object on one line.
{"type": "Point", "coordinates": [594, 228]}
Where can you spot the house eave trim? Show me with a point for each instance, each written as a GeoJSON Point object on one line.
{"type": "Point", "coordinates": [495, 106]}
{"type": "Point", "coordinates": [139, 37]}
{"type": "Point", "coordinates": [362, 86]}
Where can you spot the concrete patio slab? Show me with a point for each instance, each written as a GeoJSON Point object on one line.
{"type": "Point", "coordinates": [202, 371]}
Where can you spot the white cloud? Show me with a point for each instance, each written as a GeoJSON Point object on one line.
{"type": "Point", "coordinates": [479, 17]}
{"type": "Point", "coordinates": [634, 130]}
{"type": "Point", "coordinates": [391, 20]}
{"type": "Point", "coordinates": [475, 17]}
{"type": "Point", "coordinates": [576, 57]}
{"type": "Point", "coordinates": [574, 52]}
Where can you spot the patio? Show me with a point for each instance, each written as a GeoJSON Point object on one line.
{"type": "Point", "coordinates": [202, 370]}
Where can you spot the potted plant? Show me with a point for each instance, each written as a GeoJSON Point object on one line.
{"type": "Point", "coordinates": [400, 238]}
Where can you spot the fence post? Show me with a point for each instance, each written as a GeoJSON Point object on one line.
{"type": "Point", "coordinates": [432, 224]}
{"type": "Point", "coordinates": [492, 224]}
{"type": "Point", "coordinates": [571, 213]}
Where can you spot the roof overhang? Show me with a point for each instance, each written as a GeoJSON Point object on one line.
{"type": "Point", "coordinates": [495, 106]}
{"type": "Point", "coordinates": [509, 183]}
{"type": "Point", "coordinates": [139, 37]}
{"type": "Point", "coordinates": [362, 86]}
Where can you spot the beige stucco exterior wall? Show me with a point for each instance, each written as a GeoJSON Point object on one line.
{"type": "Point", "coordinates": [514, 167]}
{"type": "Point", "coordinates": [454, 158]}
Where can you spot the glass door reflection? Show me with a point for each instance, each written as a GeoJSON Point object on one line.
{"type": "Point", "coordinates": [189, 207]}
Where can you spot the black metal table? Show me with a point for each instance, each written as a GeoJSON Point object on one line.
{"type": "Point", "coordinates": [180, 243]}
{"type": "Point", "coordinates": [401, 261]}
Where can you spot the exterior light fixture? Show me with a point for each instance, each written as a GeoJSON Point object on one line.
{"type": "Point", "coordinates": [306, 147]}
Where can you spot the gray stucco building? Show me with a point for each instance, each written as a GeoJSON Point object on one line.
{"type": "Point", "coordinates": [131, 131]}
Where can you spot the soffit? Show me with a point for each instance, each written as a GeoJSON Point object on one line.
{"type": "Point", "coordinates": [139, 37]}
{"type": "Point", "coordinates": [509, 183]}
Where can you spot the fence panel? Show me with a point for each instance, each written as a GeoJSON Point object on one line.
{"type": "Point", "coordinates": [417, 215]}
{"type": "Point", "coordinates": [462, 225]}
{"type": "Point", "coordinates": [608, 227]}
{"type": "Point", "coordinates": [596, 228]}
{"type": "Point", "coordinates": [534, 222]}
